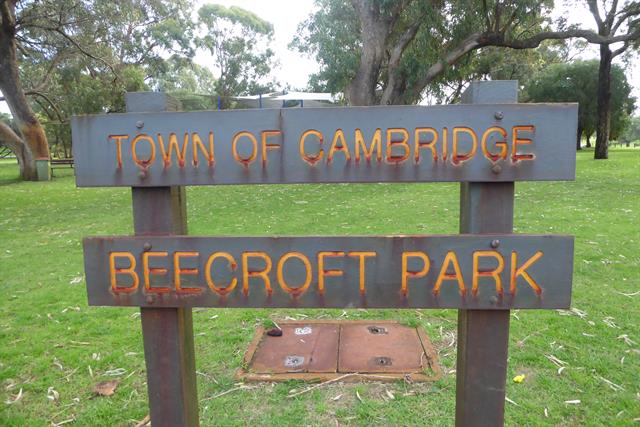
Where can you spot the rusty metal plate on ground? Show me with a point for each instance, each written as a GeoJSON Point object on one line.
{"type": "Point", "coordinates": [456, 271]}
{"type": "Point", "coordinates": [488, 143]}
{"type": "Point", "coordinates": [380, 347]}
{"type": "Point", "coordinates": [345, 350]}
{"type": "Point", "coordinates": [301, 348]}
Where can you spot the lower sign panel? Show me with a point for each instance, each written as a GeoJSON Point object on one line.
{"type": "Point", "coordinates": [457, 271]}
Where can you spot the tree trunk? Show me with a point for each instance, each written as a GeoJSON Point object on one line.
{"type": "Point", "coordinates": [604, 103]}
{"type": "Point", "coordinates": [34, 140]}
{"type": "Point", "coordinates": [361, 90]}
{"type": "Point", "coordinates": [579, 137]}
{"type": "Point", "coordinates": [26, 162]}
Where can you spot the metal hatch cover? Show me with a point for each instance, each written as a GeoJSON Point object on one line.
{"type": "Point", "coordinates": [322, 350]}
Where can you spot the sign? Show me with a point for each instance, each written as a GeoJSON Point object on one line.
{"type": "Point", "coordinates": [480, 143]}
{"type": "Point", "coordinates": [457, 271]}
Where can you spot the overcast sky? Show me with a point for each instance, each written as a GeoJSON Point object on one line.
{"type": "Point", "coordinates": [294, 69]}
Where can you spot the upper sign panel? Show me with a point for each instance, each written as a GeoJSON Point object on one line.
{"type": "Point", "coordinates": [486, 143]}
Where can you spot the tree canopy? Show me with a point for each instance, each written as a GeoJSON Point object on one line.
{"type": "Point", "coordinates": [389, 52]}
{"type": "Point", "coordinates": [577, 81]}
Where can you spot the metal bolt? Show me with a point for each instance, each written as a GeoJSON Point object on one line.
{"type": "Point", "coordinates": [496, 168]}
{"type": "Point", "coordinates": [495, 243]}
{"type": "Point", "coordinates": [499, 115]}
{"type": "Point", "coordinates": [149, 299]}
{"type": "Point", "coordinates": [146, 247]}
{"type": "Point", "coordinates": [139, 124]}
{"type": "Point", "coordinates": [142, 174]}
{"type": "Point", "coordinates": [493, 300]}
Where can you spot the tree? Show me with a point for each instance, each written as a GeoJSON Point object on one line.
{"type": "Point", "coordinates": [632, 132]}
{"type": "Point", "coordinates": [194, 86]}
{"type": "Point", "coordinates": [619, 18]}
{"type": "Point", "coordinates": [97, 37]}
{"type": "Point", "coordinates": [392, 50]}
{"type": "Point", "coordinates": [237, 38]}
{"type": "Point", "coordinates": [577, 82]}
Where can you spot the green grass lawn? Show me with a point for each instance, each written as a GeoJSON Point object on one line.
{"type": "Point", "coordinates": [50, 340]}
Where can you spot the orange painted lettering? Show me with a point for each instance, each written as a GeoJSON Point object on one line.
{"type": "Point", "coordinates": [322, 273]}
{"type": "Point", "coordinates": [361, 257]}
{"type": "Point", "coordinates": [118, 139]}
{"type": "Point", "coordinates": [264, 273]}
{"type": "Point", "coordinates": [450, 258]}
{"type": "Point", "coordinates": [501, 144]}
{"type": "Point", "coordinates": [179, 271]}
{"type": "Point", "coordinates": [181, 152]}
{"type": "Point", "coordinates": [516, 140]}
{"type": "Point", "coordinates": [406, 274]}
{"type": "Point", "coordinates": [457, 158]}
{"type": "Point", "coordinates": [312, 160]}
{"type": "Point", "coordinates": [431, 145]}
{"type": "Point", "coordinates": [152, 155]}
{"type": "Point", "coordinates": [148, 271]}
{"type": "Point", "coordinates": [338, 137]}
{"type": "Point", "coordinates": [403, 143]}
{"type": "Point", "coordinates": [522, 271]}
{"type": "Point", "coordinates": [131, 271]}
{"type": "Point", "coordinates": [264, 135]}
{"type": "Point", "coordinates": [254, 148]}
{"type": "Point", "coordinates": [495, 273]}
{"type": "Point", "coordinates": [198, 145]}
{"type": "Point", "coordinates": [294, 290]}
{"type": "Point", "coordinates": [220, 290]}
{"type": "Point", "coordinates": [376, 144]}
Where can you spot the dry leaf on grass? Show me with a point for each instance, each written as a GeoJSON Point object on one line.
{"type": "Point", "coordinates": [358, 396]}
{"type": "Point", "coordinates": [106, 388]}
{"type": "Point", "coordinates": [15, 399]}
{"type": "Point", "coordinates": [52, 394]}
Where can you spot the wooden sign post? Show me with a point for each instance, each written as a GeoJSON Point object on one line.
{"type": "Point", "coordinates": [487, 145]}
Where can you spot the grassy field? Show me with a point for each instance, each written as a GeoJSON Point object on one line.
{"type": "Point", "coordinates": [53, 347]}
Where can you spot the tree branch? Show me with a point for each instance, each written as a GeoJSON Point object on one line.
{"type": "Point", "coordinates": [632, 10]}
{"type": "Point", "coordinates": [593, 6]}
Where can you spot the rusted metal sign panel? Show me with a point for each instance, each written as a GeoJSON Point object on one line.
{"type": "Point", "coordinates": [458, 271]}
{"type": "Point", "coordinates": [488, 143]}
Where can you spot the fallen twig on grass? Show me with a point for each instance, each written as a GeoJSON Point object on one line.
{"type": "Point", "coordinates": [144, 421]}
{"type": "Point", "coordinates": [61, 423]}
{"type": "Point", "coordinates": [333, 380]}
{"type": "Point", "coordinates": [612, 385]}
{"type": "Point", "coordinates": [240, 387]}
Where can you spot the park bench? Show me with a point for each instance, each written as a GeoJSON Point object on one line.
{"type": "Point", "coordinates": [60, 163]}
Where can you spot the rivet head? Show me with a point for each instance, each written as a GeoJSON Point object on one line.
{"type": "Point", "coordinates": [142, 174]}
{"type": "Point", "coordinates": [149, 299]}
{"type": "Point", "coordinates": [495, 243]}
{"type": "Point", "coordinates": [499, 115]}
{"type": "Point", "coordinates": [146, 247]}
{"type": "Point", "coordinates": [496, 169]}
{"type": "Point", "coordinates": [139, 124]}
{"type": "Point", "coordinates": [493, 300]}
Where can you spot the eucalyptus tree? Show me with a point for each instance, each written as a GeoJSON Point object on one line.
{"type": "Point", "coordinates": [577, 81]}
{"type": "Point", "coordinates": [96, 37]}
{"type": "Point", "coordinates": [621, 21]}
{"type": "Point", "coordinates": [238, 41]}
{"type": "Point", "coordinates": [388, 52]}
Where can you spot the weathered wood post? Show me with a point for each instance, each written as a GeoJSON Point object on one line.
{"type": "Point", "coordinates": [483, 335]}
{"type": "Point", "coordinates": [167, 332]}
